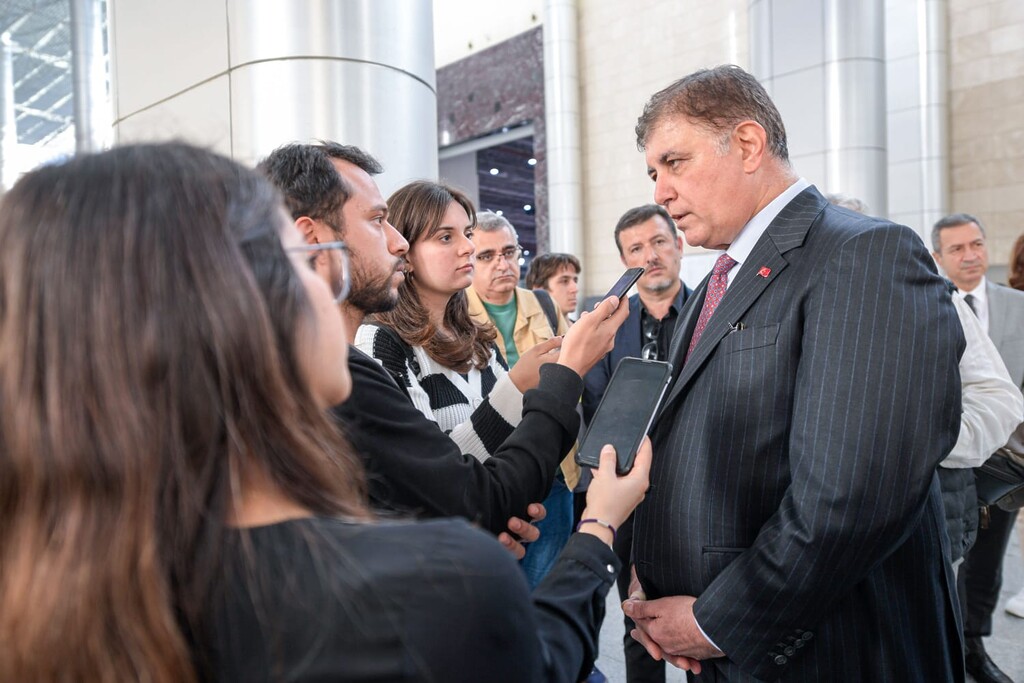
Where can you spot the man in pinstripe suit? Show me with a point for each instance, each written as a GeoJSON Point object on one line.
{"type": "Point", "coordinates": [793, 529]}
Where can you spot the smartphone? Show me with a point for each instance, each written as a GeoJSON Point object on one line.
{"type": "Point", "coordinates": [625, 412]}
{"type": "Point", "coordinates": [624, 283]}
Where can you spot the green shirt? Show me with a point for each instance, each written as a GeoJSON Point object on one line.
{"type": "Point", "coordinates": [504, 318]}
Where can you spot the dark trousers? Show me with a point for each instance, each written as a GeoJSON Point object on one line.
{"type": "Point", "coordinates": [980, 577]}
{"type": "Point", "coordinates": [640, 667]}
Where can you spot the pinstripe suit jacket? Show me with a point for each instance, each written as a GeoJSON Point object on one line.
{"type": "Point", "coordinates": [793, 487]}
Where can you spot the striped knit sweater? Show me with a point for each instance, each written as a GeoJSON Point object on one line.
{"type": "Point", "coordinates": [477, 410]}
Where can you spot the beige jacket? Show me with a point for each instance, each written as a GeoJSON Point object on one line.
{"type": "Point", "coordinates": [532, 328]}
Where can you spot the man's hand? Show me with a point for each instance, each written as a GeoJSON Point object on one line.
{"type": "Point", "coordinates": [522, 532]}
{"type": "Point", "coordinates": [667, 629]}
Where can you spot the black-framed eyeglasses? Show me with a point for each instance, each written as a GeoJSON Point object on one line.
{"type": "Point", "coordinates": [328, 260]}
{"type": "Point", "coordinates": [651, 328]}
{"type": "Point", "coordinates": [510, 254]}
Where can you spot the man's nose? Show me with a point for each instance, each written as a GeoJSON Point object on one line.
{"type": "Point", "coordinates": [397, 244]}
{"type": "Point", "coordinates": [663, 192]}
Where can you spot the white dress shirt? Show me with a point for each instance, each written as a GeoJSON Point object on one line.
{"type": "Point", "coordinates": [744, 243]}
{"type": "Point", "coordinates": [980, 294]}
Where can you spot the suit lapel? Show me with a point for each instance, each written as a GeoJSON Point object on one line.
{"type": "Point", "coordinates": [759, 271]}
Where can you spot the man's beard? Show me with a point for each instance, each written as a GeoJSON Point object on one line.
{"type": "Point", "coordinates": [371, 294]}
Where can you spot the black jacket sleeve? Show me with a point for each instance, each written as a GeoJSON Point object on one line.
{"type": "Point", "coordinates": [413, 467]}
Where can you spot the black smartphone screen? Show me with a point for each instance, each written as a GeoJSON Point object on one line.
{"type": "Point", "coordinates": [625, 412]}
{"type": "Point", "coordinates": [623, 284]}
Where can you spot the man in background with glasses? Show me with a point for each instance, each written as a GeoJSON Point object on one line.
{"type": "Point", "coordinates": [517, 314]}
{"type": "Point", "coordinates": [646, 237]}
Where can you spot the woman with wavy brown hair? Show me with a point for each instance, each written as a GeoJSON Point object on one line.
{"type": "Point", "coordinates": [175, 504]}
{"type": "Point", "coordinates": [445, 361]}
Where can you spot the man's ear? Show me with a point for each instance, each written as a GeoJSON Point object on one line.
{"type": "Point", "coordinates": [752, 141]}
{"type": "Point", "coordinates": [307, 226]}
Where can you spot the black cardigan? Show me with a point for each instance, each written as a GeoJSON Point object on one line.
{"type": "Point", "coordinates": [415, 468]}
{"type": "Point", "coordinates": [322, 599]}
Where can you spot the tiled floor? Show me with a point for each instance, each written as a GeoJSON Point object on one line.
{"type": "Point", "coordinates": [1006, 646]}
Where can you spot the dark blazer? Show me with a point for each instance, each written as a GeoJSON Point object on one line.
{"type": "Point", "coordinates": [414, 468]}
{"type": "Point", "coordinates": [628, 343]}
{"type": "Point", "coordinates": [793, 488]}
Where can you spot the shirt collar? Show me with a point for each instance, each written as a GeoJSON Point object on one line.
{"type": "Point", "coordinates": [978, 292]}
{"type": "Point", "coordinates": [744, 243]}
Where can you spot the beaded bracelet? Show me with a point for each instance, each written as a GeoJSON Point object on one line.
{"type": "Point", "coordinates": [599, 522]}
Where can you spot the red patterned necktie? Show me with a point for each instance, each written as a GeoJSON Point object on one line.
{"type": "Point", "coordinates": [716, 290]}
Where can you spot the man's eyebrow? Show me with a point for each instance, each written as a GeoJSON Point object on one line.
{"type": "Point", "coordinates": [663, 159]}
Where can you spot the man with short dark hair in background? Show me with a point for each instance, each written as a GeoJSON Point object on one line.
{"type": "Point", "coordinates": [558, 275]}
{"type": "Point", "coordinates": [959, 247]}
{"type": "Point", "coordinates": [646, 237]}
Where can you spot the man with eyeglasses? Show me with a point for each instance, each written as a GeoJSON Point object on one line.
{"type": "Point", "coordinates": [517, 314]}
{"type": "Point", "coordinates": [646, 237]}
{"type": "Point", "coordinates": [413, 467]}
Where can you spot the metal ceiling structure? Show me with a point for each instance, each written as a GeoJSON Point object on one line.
{"type": "Point", "coordinates": [39, 35]}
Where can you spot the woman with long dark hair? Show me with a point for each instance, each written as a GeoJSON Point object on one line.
{"type": "Point", "coordinates": [175, 504]}
{"type": "Point", "coordinates": [445, 361]}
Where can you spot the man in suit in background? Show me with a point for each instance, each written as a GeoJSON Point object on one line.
{"type": "Point", "coordinates": [646, 237]}
{"type": "Point", "coordinates": [959, 244]}
{"type": "Point", "coordinates": [793, 529]}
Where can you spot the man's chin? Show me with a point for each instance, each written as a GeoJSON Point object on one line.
{"type": "Point", "coordinates": [376, 301]}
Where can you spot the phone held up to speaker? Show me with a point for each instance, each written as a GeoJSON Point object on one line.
{"type": "Point", "coordinates": [626, 411]}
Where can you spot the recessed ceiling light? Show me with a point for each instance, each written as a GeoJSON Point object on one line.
{"type": "Point", "coordinates": [526, 207]}
{"type": "Point", "coordinates": [531, 161]}
{"type": "Point", "coordinates": [499, 212]}
{"type": "Point", "coordinates": [494, 171]}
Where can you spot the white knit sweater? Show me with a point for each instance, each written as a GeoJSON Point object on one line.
{"type": "Point", "coordinates": [477, 410]}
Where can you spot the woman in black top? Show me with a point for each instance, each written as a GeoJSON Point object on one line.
{"type": "Point", "coordinates": [175, 504]}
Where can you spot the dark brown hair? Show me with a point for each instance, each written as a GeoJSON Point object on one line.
{"type": "Point", "coordinates": [141, 378]}
{"type": "Point", "coordinates": [641, 214]}
{"type": "Point", "coordinates": [312, 187]}
{"type": "Point", "coordinates": [417, 211]}
{"type": "Point", "coordinates": [546, 266]}
{"type": "Point", "coordinates": [719, 99]}
{"type": "Point", "coordinates": [1016, 275]}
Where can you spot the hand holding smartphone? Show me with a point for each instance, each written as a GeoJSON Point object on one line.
{"type": "Point", "coordinates": [625, 412]}
{"type": "Point", "coordinates": [624, 283]}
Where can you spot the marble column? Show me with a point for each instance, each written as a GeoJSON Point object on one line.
{"type": "Point", "coordinates": [244, 77]}
{"type": "Point", "coordinates": [823, 63]}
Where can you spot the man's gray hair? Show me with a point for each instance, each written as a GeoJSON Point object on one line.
{"type": "Point", "coordinates": [488, 221]}
{"type": "Point", "coordinates": [718, 99]}
{"type": "Point", "coordinates": [953, 220]}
